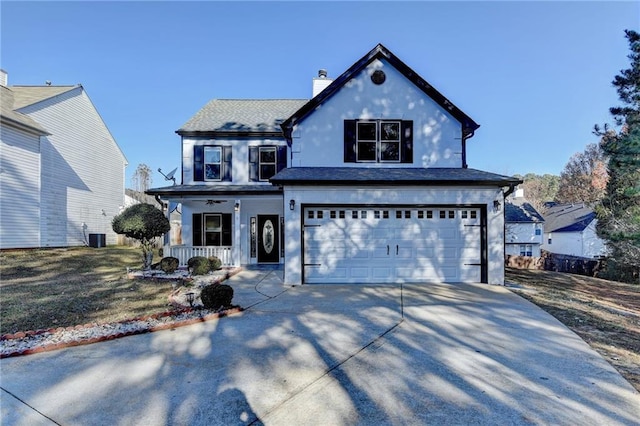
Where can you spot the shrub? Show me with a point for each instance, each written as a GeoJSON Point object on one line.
{"type": "Point", "coordinates": [216, 296]}
{"type": "Point", "coordinates": [144, 223]}
{"type": "Point", "coordinates": [199, 265]}
{"type": "Point", "coordinates": [169, 264]}
{"type": "Point", "coordinates": [215, 263]}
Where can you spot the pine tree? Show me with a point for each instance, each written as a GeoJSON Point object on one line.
{"type": "Point", "coordinates": [619, 212]}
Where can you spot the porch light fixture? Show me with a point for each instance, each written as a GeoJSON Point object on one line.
{"type": "Point", "coordinates": [236, 206]}
{"type": "Point", "coordinates": [190, 298]}
{"type": "Point", "coordinates": [496, 205]}
{"type": "Point", "coordinates": [292, 204]}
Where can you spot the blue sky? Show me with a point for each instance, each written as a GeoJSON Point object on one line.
{"type": "Point", "coordinates": [535, 75]}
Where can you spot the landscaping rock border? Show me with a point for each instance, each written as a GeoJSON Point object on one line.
{"type": "Point", "coordinates": [36, 341]}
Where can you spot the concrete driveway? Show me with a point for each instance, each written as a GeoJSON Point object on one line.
{"type": "Point", "coordinates": [331, 355]}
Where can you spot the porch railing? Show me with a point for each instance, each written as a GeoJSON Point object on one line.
{"type": "Point", "coordinates": [184, 253]}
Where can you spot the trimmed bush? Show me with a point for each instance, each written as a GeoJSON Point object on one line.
{"type": "Point", "coordinates": [216, 296]}
{"type": "Point", "coordinates": [199, 265]}
{"type": "Point", "coordinates": [169, 264]}
{"type": "Point", "coordinates": [215, 263]}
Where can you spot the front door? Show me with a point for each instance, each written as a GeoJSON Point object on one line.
{"type": "Point", "coordinates": [268, 234]}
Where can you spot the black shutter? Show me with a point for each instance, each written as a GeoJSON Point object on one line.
{"type": "Point", "coordinates": [349, 141]}
{"type": "Point", "coordinates": [196, 227]}
{"type": "Point", "coordinates": [226, 163]}
{"type": "Point", "coordinates": [282, 158]}
{"type": "Point", "coordinates": [198, 163]}
{"type": "Point", "coordinates": [406, 150]}
{"type": "Point", "coordinates": [253, 164]}
{"type": "Point", "coordinates": [227, 235]}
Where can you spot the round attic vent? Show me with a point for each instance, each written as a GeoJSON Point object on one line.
{"type": "Point", "coordinates": [378, 77]}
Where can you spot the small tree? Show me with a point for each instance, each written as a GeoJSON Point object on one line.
{"type": "Point", "coordinates": [584, 178]}
{"type": "Point", "coordinates": [142, 222]}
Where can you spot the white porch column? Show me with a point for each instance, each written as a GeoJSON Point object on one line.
{"type": "Point", "coordinates": [236, 249]}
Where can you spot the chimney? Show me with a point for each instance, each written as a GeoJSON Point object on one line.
{"type": "Point", "coordinates": [321, 82]}
{"type": "Point", "coordinates": [4, 78]}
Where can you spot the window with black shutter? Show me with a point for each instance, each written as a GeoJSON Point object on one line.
{"type": "Point", "coordinates": [378, 141]}
{"type": "Point", "coordinates": [266, 161]}
{"type": "Point", "coordinates": [212, 229]}
{"type": "Point", "coordinates": [212, 163]}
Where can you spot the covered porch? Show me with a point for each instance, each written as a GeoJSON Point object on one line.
{"type": "Point", "coordinates": [225, 221]}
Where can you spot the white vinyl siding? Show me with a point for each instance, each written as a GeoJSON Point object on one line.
{"type": "Point", "coordinates": [82, 175]}
{"type": "Point", "coordinates": [19, 189]}
{"type": "Point", "coordinates": [318, 140]}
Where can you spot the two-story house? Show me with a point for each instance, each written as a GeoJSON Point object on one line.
{"type": "Point", "coordinates": [367, 182]}
{"type": "Point", "coordinates": [62, 172]}
{"type": "Point", "coordinates": [570, 229]}
{"type": "Point", "coordinates": [524, 227]}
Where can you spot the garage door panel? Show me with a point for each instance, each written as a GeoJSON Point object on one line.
{"type": "Point", "coordinates": [393, 245]}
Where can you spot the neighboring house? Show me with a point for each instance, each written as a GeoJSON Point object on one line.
{"type": "Point", "coordinates": [62, 173]}
{"type": "Point", "coordinates": [571, 229]}
{"type": "Point", "coordinates": [367, 182]}
{"type": "Point", "coordinates": [524, 227]}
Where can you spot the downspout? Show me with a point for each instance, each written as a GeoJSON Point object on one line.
{"type": "Point", "coordinates": [512, 188]}
{"type": "Point", "coordinates": [466, 134]}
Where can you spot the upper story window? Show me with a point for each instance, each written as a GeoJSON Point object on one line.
{"type": "Point", "coordinates": [266, 161]}
{"type": "Point", "coordinates": [212, 163]}
{"type": "Point", "coordinates": [378, 141]}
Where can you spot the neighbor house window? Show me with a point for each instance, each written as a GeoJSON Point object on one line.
{"type": "Point", "coordinates": [526, 250]}
{"type": "Point", "coordinates": [378, 141]}
{"type": "Point", "coordinates": [212, 163]}
{"type": "Point", "coordinates": [538, 231]}
{"type": "Point", "coordinates": [266, 161]}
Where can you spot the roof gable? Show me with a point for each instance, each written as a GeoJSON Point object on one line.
{"type": "Point", "coordinates": [381, 52]}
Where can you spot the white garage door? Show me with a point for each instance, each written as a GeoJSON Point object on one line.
{"type": "Point", "coordinates": [382, 245]}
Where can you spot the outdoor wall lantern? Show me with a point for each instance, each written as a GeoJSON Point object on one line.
{"type": "Point", "coordinates": [496, 205]}
{"type": "Point", "coordinates": [236, 206]}
{"type": "Point", "coordinates": [190, 297]}
{"type": "Point", "coordinates": [292, 204]}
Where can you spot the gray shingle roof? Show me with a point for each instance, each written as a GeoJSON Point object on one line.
{"type": "Point", "coordinates": [29, 95]}
{"type": "Point", "coordinates": [9, 116]}
{"type": "Point", "coordinates": [521, 212]}
{"type": "Point", "coordinates": [224, 190]}
{"type": "Point", "coordinates": [392, 176]}
{"type": "Point", "coordinates": [568, 218]}
{"type": "Point", "coordinates": [242, 115]}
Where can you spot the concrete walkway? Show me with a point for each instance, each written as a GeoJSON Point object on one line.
{"type": "Point", "coordinates": [331, 355]}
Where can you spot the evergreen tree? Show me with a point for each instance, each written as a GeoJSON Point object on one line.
{"type": "Point", "coordinates": [619, 212]}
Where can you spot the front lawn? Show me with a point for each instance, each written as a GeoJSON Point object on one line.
{"type": "Point", "coordinates": [48, 288]}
